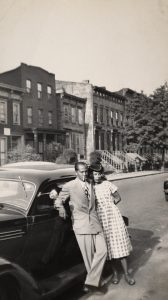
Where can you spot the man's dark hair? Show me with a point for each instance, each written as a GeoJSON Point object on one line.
{"type": "Point", "coordinates": [79, 163]}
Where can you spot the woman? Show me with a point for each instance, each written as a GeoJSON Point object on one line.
{"type": "Point", "coordinates": [115, 231]}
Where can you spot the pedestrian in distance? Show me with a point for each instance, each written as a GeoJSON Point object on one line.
{"type": "Point", "coordinates": [115, 232]}
{"type": "Point", "coordinates": [86, 226]}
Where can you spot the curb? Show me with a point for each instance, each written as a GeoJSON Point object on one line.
{"type": "Point", "coordinates": [117, 177]}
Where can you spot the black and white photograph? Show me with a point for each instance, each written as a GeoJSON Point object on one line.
{"type": "Point", "coordinates": [83, 149]}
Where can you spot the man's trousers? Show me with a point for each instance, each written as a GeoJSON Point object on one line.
{"type": "Point", "coordinates": [94, 252]}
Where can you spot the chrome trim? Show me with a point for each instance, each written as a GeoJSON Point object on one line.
{"type": "Point", "coordinates": [6, 235]}
{"type": "Point", "coordinates": [11, 231]}
{"type": "Point", "coordinates": [10, 237]}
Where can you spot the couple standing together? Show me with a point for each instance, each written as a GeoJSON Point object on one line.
{"type": "Point", "coordinates": [97, 223]}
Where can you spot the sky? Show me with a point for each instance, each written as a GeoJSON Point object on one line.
{"type": "Point", "coordinates": [113, 43]}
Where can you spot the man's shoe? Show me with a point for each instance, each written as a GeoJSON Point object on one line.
{"type": "Point", "coordinates": [94, 289]}
{"type": "Point", "coordinates": [85, 289]}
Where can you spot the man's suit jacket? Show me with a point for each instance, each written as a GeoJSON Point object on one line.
{"type": "Point", "coordinates": [83, 212]}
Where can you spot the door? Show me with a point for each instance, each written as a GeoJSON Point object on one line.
{"type": "Point", "coordinates": [3, 151]}
{"type": "Point", "coordinates": [50, 237]}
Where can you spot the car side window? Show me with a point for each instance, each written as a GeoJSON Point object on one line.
{"type": "Point", "coordinates": [44, 202]}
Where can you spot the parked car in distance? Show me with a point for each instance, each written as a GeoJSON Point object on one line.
{"type": "Point", "coordinates": [39, 255]}
{"type": "Point", "coordinates": [165, 186]}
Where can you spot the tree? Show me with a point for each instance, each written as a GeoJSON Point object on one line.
{"type": "Point", "coordinates": [136, 124]}
{"type": "Point", "coordinates": [95, 157]}
{"type": "Point", "coordinates": [147, 121]}
{"type": "Point", "coordinates": [53, 150]}
{"type": "Point", "coordinates": [159, 120]}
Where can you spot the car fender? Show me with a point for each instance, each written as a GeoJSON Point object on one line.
{"type": "Point", "coordinates": [12, 273]}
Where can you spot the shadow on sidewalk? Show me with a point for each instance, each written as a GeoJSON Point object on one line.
{"type": "Point", "coordinates": [143, 242]}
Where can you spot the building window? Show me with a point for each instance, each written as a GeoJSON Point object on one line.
{"type": "Point", "coordinates": [16, 113]}
{"type": "Point", "coordinates": [28, 86]}
{"type": "Point", "coordinates": [50, 117]}
{"type": "Point", "coordinates": [101, 115]}
{"type": "Point", "coordinates": [116, 114]}
{"type": "Point", "coordinates": [80, 116]}
{"type": "Point", "coordinates": [73, 141]}
{"type": "Point", "coordinates": [121, 119]}
{"type": "Point", "coordinates": [107, 116]}
{"type": "Point", "coordinates": [102, 140]}
{"type": "Point", "coordinates": [108, 136]}
{"type": "Point", "coordinates": [66, 113]}
{"type": "Point", "coordinates": [16, 142]}
{"type": "Point", "coordinates": [40, 117]}
{"type": "Point", "coordinates": [39, 90]}
{"type": "Point", "coordinates": [73, 114]}
{"type": "Point", "coordinates": [95, 114]}
{"type": "Point", "coordinates": [40, 148]}
{"type": "Point", "coordinates": [111, 116]}
{"type": "Point", "coordinates": [3, 151]}
{"type": "Point", "coordinates": [3, 112]}
{"type": "Point", "coordinates": [29, 115]}
{"type": "Point", "coordinates": [49, 91]}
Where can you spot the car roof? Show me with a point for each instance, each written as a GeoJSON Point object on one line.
{"type": "Point", "coordinates": [36, 176]}
{"type": "Point", "coordinates": [38, 165]}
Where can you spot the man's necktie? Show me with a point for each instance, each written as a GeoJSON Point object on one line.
{"type": "Point", "coordinates": [87, 192]}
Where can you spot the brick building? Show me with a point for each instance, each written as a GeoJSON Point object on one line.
{"type": "Point", "coordinates": [39, 105]}
{"type": "Point", "coordinates": [71, 117]}
{"type": "Point", "coordinates": [11, 121]}
{"type": "Point", "coordinates": [104, 116]}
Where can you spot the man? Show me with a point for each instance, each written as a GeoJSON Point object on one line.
{"type": "Point", "coordinates": [88, 231]}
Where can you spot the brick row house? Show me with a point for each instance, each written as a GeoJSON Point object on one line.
{"type": "Point", "coordinates": [109, 111]}
{"type": "Point", "coordinates": [40, 122]}
{"type": "Point", "coordinates": [71, 117]}
{"type": "Point", "coordinates": [76, 115]}
{"type": "Point", "coordinates": [11, 121]}
{"type": "Point", "coordinates": [104, 115]}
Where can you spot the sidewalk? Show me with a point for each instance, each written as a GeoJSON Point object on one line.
{"type": "Point", "coordinates": [120, 176]}
{"type": "Point", "coordinates": [151, 280]}
{"type": "Point", "coordinates": [150, 266]}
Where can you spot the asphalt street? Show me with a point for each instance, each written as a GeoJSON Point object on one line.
{"type": "Point", "coordinates": [144, 203]}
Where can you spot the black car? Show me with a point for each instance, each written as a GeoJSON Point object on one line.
{"type": "Point", "coordinates": [39, 255]}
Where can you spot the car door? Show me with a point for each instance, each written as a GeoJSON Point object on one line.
{"type": "Point", "coordinates": [47, 232]}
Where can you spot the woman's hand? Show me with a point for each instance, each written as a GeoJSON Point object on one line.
{"type": "Point", "coordinates": [117, 197]}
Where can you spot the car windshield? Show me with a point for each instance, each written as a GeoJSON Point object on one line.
{"type": "Point", "coordinates": [16, 193]}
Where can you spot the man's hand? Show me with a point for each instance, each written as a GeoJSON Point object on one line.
{"type": "Point", "coordinates": [53, 194]}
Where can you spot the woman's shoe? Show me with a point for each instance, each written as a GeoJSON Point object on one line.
{"type": "Point", "coordinates": [130, 280]}
{"type": "Point", "coordinates": [115, 279]}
